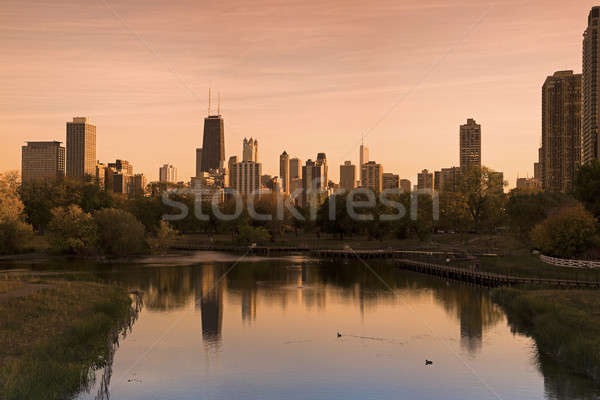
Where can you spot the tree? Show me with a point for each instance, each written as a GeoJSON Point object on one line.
{"type": "Point", "coordinates": [570, 233]}
{"type": "Point", "coordinates": [341, 223]}
{"type": "Point", "coordinates": [482, 195]}
{"type": "Point", "coordinates": [526, 209]}
{"type": "Point", "coordinates": [586, 186]}
{"type": "Point", "coordinates": [119, 232]}
{"type": "Point", "coordinates": [251, 234]}
{"type": "Point", "coordinates": [165, 234]}
{"type": "Point", "coordinates": [72, 231]}
{"type": "Point", "coordinates": [15, 233]}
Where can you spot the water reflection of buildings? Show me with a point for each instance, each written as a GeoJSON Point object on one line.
{"type": "Point", "coordinates": [249, 305]}
{"type": "Point", "coordinates": [475, 311]}
{"type": "Point", "coordinates": [209, 299]}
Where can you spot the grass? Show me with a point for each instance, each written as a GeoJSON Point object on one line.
{"type": "Point", "coordinates": [523, 263]}
{"type": "Point", "coordinates": [52, 338]}
{"type": "Point", "coordinates": [9, 286]}
{"type": "Point", "coordinates": [564, 323]}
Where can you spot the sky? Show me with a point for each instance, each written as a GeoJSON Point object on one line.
{"type": "Point", "coordinates": [301, 76]}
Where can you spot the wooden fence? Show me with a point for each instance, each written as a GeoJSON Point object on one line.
{"type": "Point", "coordinates": [564, 262]}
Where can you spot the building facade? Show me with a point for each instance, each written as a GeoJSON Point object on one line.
{"type": "Point", "coordinates": [425, 180]}
{"type": "Point", "coordinates": [42, 161]}
{"type": "Point", "coordinates": [284, 172]}
{"type": "Point", "coordinates": [198, 162]}
{"type": "Point", "coordinates": [371, 176]}
{"type": "Point", "coordinates": [213, 143]}
{"type": "Point", "coordinates": [250, 150]}
{"type": "Point", "coordinates": [81, 148]}
{"type": "Point", "coordinates": [363, 155]}
{"type": "Point", "coordinates": [561, 130]}
{"type": "Point", "coordinates": [167, 173]}
{"type": "Point", "coordinates": [348, 176]}
{"type": "Point", "coordinates": [591, 87]}
{"type": "Point", "coordinates": [405, 185]}
{"type": "Point", "coordinates": [295, 168]}
{"type": "Point", "coordinates": [470, 144]}
{"type": "Point", "coordinates": [314, 181]}
{"type": "Point", "coordinates": [391, 181]}
{"type": "Point", "coordinates": [246, 177]}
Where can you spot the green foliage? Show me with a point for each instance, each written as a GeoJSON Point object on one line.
{"type": "Point", "coordinates": [40, 197]}
{"type": "Point", "coordinates": [165, 235]}
{"type": "Point", "coordinates": [564, 324]}
{"type": "Point", "coordinates": [250, 234]}
{"type": "Point", "coordinates": [586, 186]}
{"type": "Point", "coordinates": [60, 365]}
{"type": "Point", "coordinates": [570, 233]}
{"type": "Point", "coordinates": [482, 196]}
{"type": "Point", "coordinates": [526, 209]}
{"type": "Point", "coordinates": [72, 231]}
{"type": "Point", "coordinates": [119, 232]}
{"type": "Point", "coordinates": [15, 234]}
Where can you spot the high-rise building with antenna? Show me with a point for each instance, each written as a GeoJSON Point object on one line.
{"type": "Point", "coordinates": [213, 141]}
{"type": "Point", "coordinates": [363, 156]}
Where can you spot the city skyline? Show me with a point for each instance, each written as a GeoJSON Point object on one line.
{"type": "Point", "coordinates": [264, 111]}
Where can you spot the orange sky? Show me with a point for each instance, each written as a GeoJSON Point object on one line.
{"type": "Point", "coordinates": [300, 76]}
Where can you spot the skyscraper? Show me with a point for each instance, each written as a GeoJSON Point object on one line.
{"type": "Point", "coordinates": [425, 180]}
{"type": "Point", "coordinates": [391, 181]}
{"type": "Point", "coordinates": [167, 173]}
{"type": "Point", "coordinates": [284, 172]}
{"type": "Point", "coordinates": [470, 144]}
{"type": "Point", "coordinates": [371, 176]}
{"type": "Point", "coordinates": [246, 176]}
{"type": "Point", "coordinates": [295, 168]}
{"type": "Point", "coordinates": [81, 148]}
{"type": "Point", "coordinates": [42, 160]}
{"type": "Point", "coordinates": [198, 162]}
{"type": "Point", "coordinates": [213, 143]}
{"type": "Point", "coordinates": [405, 185]}
{"type": "Point", "coordinates": [561, 130]}
{"type": "Point", "coordinates": [363, 155]}
{"type": "Point", "coordinates": [591, 87]}
{"type": "Point", "coordinates": [348, 176]}
{"type": "Point", "coordinates": [250, 150]}
{"type": "Point", "coordinates": [314, 181]}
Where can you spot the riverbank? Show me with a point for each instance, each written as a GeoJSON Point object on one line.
{"type": "Point", "coordinates": [564, 323]}
{"type": "Point", "coordinates": [53, 333]}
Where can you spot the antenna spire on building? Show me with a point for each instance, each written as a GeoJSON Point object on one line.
{"type": "Point", "coordinates": [219, 105]}
{"type": "Point", "coordinates": [209, 101]}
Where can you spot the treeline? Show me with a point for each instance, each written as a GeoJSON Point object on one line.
{"type": "Point", "coordinates": [79, 217]}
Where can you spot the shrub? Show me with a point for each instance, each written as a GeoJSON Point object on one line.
{"type": "Point", "coordinates": [164, 236]}
{"type": "Point", "coordinates": [119, 232]}
{"type": "Point", "coordinates": [72, 231]}
{"type": "Point", "coordinates": [250, 234]}
{"type": "Point", "coordinates": [569, 233]}
{"type": "Point", "coordinates": [15, 234]}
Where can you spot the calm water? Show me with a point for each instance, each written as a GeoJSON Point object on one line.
{"type": "Point", "coordinates": [267, 329]}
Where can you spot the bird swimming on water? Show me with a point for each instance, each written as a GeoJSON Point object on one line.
{"type": "Point", "coordinates": [339, 334]}
{"type": "Point", "coordinates": [428, 362]}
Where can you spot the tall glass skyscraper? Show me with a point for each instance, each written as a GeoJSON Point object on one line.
{"type": "Point", "coordinates": [591, 87]}
{"type": "Point", "coordinates": [213, 143]}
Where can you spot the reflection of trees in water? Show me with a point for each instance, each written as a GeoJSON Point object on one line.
{"type": "Point", "coordinates": [169, 289]}
{"type": "Point", "coordinates": [559, 382]}
{"type": "Point", "coordinates": [120, 331]}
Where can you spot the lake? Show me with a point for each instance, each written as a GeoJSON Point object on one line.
{"type": "Point", "coordinates": [213, 326]}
